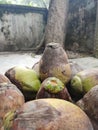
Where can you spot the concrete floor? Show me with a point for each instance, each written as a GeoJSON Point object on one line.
{"type": "Point", "coordinates": [8, 60]}
{"type": "Point", "coordinates": [87, 62]}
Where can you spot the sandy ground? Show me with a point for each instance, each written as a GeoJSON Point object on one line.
{"type": "Point", "coordinates": [8, 60]}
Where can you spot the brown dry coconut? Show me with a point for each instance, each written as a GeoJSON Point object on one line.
{"type": "Point", "coordinates": [54, 63]}
{"type": "Point", "coordinates": [10, 99]}
{"type": "Point", "coordinates": [4, 79]}
{"type": "Point", "coordinates": [35, 67]}
{"type": "Point", "coordinates": [48, 114]}
{"type": "Point", "coordinates": [89, 103]}
{"type": "Point", "coordinates": [75, 68]}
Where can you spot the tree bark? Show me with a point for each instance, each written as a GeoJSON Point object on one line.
{"type": "Point", "coordinates": [57, 21]}
{"type": "Point", "coordinates": [96, 33]}
{"type": "Point", "coordinates": [55, 30]}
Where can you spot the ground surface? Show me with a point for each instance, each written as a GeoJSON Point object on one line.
{"type": "Point", "coordinates": [8, 60]}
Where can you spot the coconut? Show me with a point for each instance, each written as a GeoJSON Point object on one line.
{"type": "Point", "coordinates": [89, 103]}
{"type": "Point", "coordinates": [52, 87]}
{"type": "Point", "coordinates": [83, 81]}
{"type": "Point", "coordinates": [10, 99]}
{"type": "Point", "coordinates": [54, 63]}
{"type": "Point", "coordinates": [4, 79]}
{"type": "Point", "coordinates": [35, 67]}
{"type": "Point", "coordinates": [25, 79]}
{"type": "Point", "coordinates": [75, 68]}
{"type": "Point", "coordinates": [47, 114]}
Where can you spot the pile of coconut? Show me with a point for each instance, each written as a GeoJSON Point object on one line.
{"type": "Point", "coordinates": [54, 94]}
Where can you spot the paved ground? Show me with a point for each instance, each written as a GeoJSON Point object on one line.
{"type": "Point", "coordinates": [8, 60]}
{"type": "Point", "coordinates": [87, 62]}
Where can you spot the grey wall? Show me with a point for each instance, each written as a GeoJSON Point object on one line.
{"type": "Point", "coordinates": [81, 25]}
{"type": "Point", "coordinates": [21, 28]}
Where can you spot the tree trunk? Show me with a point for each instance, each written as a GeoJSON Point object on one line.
{"type": "Point", "coordinates": [57, 20]}
{"type": "Point", "coordinates": [96, 32]}
{"type": "Point", "coordinates": [55, 30]}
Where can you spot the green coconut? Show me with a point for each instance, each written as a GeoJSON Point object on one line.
{"type": "Point", "coordinates": [25, 79]}
{"type": "Point", "coordinates": [83, 81]}
{"type": "Point", "coordinates": [28, 78]}
{"type": "Point", "coordinates": [53, 87]}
